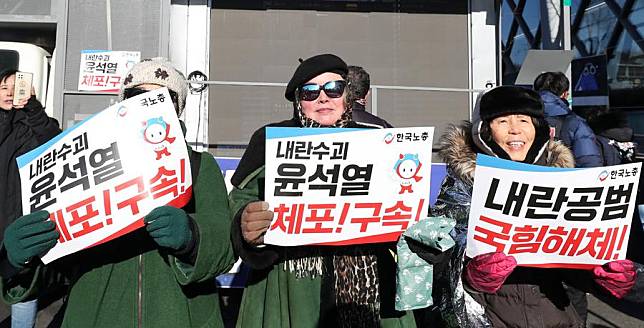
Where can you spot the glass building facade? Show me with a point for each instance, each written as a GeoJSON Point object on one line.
{"type": "Point", "coordinates": [608, 27]}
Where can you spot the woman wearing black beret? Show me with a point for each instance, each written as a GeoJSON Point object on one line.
{"type": "Point", "coordinates": [308, 286]}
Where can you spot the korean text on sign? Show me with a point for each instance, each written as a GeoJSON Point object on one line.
{"type": "Point", "coordinates": [345, 186]}
{"type": "Point", "coordinates": [104, 70]}
{"type": "Point", "coordinates": [97, 184]}
{"type": "Point", "coordinates": [552, 217]}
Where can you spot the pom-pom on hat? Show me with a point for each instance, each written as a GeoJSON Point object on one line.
{"type": "Point", "coordinates": [159, 71]}
{"type": "Point", "coordinates": [505, 100]}
{"type": "Point", "coordinates": [313, 67]}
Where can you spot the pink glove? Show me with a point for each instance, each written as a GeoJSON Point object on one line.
{"type": "Point", "coordinates": [617, 277]}
{"type": "Point", "coordinates": [487, 272]}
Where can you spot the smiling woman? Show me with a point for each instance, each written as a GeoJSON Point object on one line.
{"type": "Point", "coordinates": [512, 125]}
{"type": "Point", "coordinates": [514, 133]}
{"type": "Point", "coordinates": [489, 289]}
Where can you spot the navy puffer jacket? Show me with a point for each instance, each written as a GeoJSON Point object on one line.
{"type": "Point", "coordinates": [576, 134]}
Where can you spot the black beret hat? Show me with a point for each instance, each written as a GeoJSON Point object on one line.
{"type": "Point", "coordinates": [313, 67]}
{"type": "Point", "coordinates": [507, 99]}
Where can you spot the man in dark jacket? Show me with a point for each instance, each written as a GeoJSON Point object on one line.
{"type": "Point", "coordinates": [569, 127]}
{"type": "Point", "coordinates": [23, 127]}
{"type": "Point", "coordinates": [359, 84]}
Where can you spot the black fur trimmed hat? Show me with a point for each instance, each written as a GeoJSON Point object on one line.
{"type": "Point", "coordinates": [313, 67]}
{"type": "Point", "coordinates": [508, 99]}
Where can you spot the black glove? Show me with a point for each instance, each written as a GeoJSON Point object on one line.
{"type": "Point", "coordinates": [431, 255]}
{"type": "Point", "coordinates": [30, 235]}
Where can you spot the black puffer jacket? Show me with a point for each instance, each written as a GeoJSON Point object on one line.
{"type": "Point", "coordinates": [20, 131]}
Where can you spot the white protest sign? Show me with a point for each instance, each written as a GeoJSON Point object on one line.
{"type": "Point", "coordinates": [345, 186]}
{"type": "Point", "coordinates": [104, 70]}
{"type": "Point", "coordinates": [100, 177]}
{"type": "Point", "coordinates": [552, 217]}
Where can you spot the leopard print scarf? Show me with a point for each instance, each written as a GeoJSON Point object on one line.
{"type": "Point", "coordinates": [356, 287]}
{"type": "Point", "coordinates": [349, 276]}
{"type": "Point", "coordinates": [350, 294]}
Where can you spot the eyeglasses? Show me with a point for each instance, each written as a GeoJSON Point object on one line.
{"type": "Point", "coordinates": [133, 92]}
{"type": "Point", "coordinates": [333, 89]}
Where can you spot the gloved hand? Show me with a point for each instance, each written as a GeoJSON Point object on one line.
{"type": "Point", "coordinates": [255, 220]}
{"type": "Point", "coordinates": [487, 272]}
{"type": "Point", "coordinates": [30, 235]}
{"type": "Point", "coordinates": [169, 227]}
{"type": "Point", "coordinates": [617, 277]}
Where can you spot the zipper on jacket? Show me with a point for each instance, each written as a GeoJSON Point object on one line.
{"type": "Point", "coordinates": [139, 296]}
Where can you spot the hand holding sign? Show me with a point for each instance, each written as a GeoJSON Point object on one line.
{"type": "Point", "coordinates": [98, 185]}
{"type": "Point", "coordinates": [30, 235]}
{"type": "Point", "coordinates": [487, 272]}
{"type": "Point", "coordinates": [617, 277]}
{"type": "Point", "coordinates": [552, 217]}
{"type": "Point", "coordinates": [255, 220]}
{"type": "Point", "coordinates": [169, 227]}
{"type": "Point", "coordinates": [345, 186]}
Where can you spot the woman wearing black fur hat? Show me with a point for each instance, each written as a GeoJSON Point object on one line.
{"type": "Point", "coordinates": [489, 289]}
{"type": "Point", "coordinates": [308, 286]}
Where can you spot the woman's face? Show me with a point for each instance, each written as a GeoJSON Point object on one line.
{"type": "Point", "coordinates": [514, 133]}
{"type": "Point", "coordinates": [6, 92]}
{"type": "Point", "coordinates": [324, 109]}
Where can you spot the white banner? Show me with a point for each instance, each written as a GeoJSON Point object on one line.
{"type": "Point", "coordinates": [100, 177]}
{"type": "Point", "coordinates": [346, 186]}
{"type": "Point", "coordinates": [552, 217]}
{"type": "Point", "coordinates": [104, 70]}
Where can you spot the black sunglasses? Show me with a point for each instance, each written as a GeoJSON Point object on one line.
{"type": "Point", "coordinates": [333, 89]}
{"type": "Point", "coordinates": [133, 92]}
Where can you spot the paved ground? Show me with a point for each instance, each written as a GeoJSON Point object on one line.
{"type": "Point", "coordinates": [600, 315]}
{"type": "Point", "coordinates": [620, 314]}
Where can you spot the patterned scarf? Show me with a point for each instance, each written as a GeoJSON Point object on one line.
{"type": "Point", "coordinates": [350, 287]}
{"type": "Point", "coordinates": [350, 295]}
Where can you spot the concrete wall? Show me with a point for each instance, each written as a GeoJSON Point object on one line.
{"type": "Point", "coordinates": [398, 49]}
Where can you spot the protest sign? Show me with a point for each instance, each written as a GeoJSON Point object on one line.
{"type": "Point", "coordinates": [237, 276]}
{"type": "Point", "coordinates": [104, 70]}
{"type": "Point", "coordinates": [551, 217]}
{"type": "Point", "coordinates": [98, 178]}
{"type": "Point", "coordinates": [345, 186]}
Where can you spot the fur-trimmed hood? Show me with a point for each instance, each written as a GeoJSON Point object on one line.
{"type": "Point", "coordinates": [459, 152]}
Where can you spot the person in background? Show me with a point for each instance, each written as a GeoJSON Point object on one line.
{"type": "Point", "coordinates": [615, 136]}
{"type": "Point", "coordinates": [618, 147]}
{"type": "Point", "coordinates": [22, 128]}
{"type": "Point", "coordinates": [570, 128]}
{"type": "Point", "coordinates": [574, 132]}
{"type": "Point", "coordinates": [308, 286]}
{"type": "Point", "coordinates": [359, 85]}
{"type": "Point", "coordinates": [162, 275]}
{"type": "Point", "coordinates": [489, 289]}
